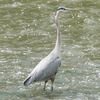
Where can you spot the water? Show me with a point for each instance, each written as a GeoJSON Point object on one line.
{"type": "Point", "coordinates": [27, 34]}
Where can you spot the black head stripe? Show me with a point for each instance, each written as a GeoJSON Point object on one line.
{"type": "Point", "coordinates": [61, 8]}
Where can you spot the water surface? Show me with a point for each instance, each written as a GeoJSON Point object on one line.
{"type": "Point", "coordinates": [27, 34]}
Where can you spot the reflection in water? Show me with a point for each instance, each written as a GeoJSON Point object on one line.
{"type": "Point", "coordinates": [27, 34]}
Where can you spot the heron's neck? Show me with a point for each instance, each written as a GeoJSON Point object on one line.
{"type": "Point", "coordinates": [58, 40]}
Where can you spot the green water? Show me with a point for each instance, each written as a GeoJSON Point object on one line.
{"type": "Point", "coordinates": [27, 34]}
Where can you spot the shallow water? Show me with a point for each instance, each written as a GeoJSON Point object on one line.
{"type": "Point", "coordinates": [27, 34]}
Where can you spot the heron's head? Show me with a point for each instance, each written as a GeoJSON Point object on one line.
{"type": "Point", "coordinates": [61, 8]}
{"type": "Point", "coordinates": [64, 9]}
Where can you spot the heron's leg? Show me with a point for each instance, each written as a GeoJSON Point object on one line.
{"type": "Point", "coordinates": [52, 81]}
{"type": "Point", "coordinates": [45, 85]}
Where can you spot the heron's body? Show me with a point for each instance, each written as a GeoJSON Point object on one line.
{"type": "Point", "coordinates": [47, 68]}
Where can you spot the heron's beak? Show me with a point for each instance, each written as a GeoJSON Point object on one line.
{"type": "Point", "coordinates": [70, 9]}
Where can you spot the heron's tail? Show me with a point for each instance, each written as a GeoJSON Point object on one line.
{"type": "Point", "coordinates": [27, 81]}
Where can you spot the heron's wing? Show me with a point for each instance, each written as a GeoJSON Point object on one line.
{"type": "Point", "coordinates": [44, 70]}
{"type": "Point", "coordinates": [49, 70]}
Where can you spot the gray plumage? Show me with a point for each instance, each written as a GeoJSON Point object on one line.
{"type": "Point", "coordinates": [47, 68]}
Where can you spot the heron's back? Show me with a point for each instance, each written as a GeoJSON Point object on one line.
{"type": "Point", "coordinates": [46, 69]}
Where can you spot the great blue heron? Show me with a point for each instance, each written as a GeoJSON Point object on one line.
{"type": "Point", "coordinates": [47, 68]}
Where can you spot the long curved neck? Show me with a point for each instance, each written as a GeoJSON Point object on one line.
{"type": "Point", "coordinates": [58, 40]}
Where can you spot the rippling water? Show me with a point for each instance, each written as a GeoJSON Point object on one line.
{"type": "Point", "coordinates": [27, 34]}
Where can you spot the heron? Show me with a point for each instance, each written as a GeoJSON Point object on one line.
{"type": "Point", "coordinates": [47, 68]}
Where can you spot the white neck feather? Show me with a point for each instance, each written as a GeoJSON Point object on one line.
{"type": "Point", "coordinates": [58, 40]}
